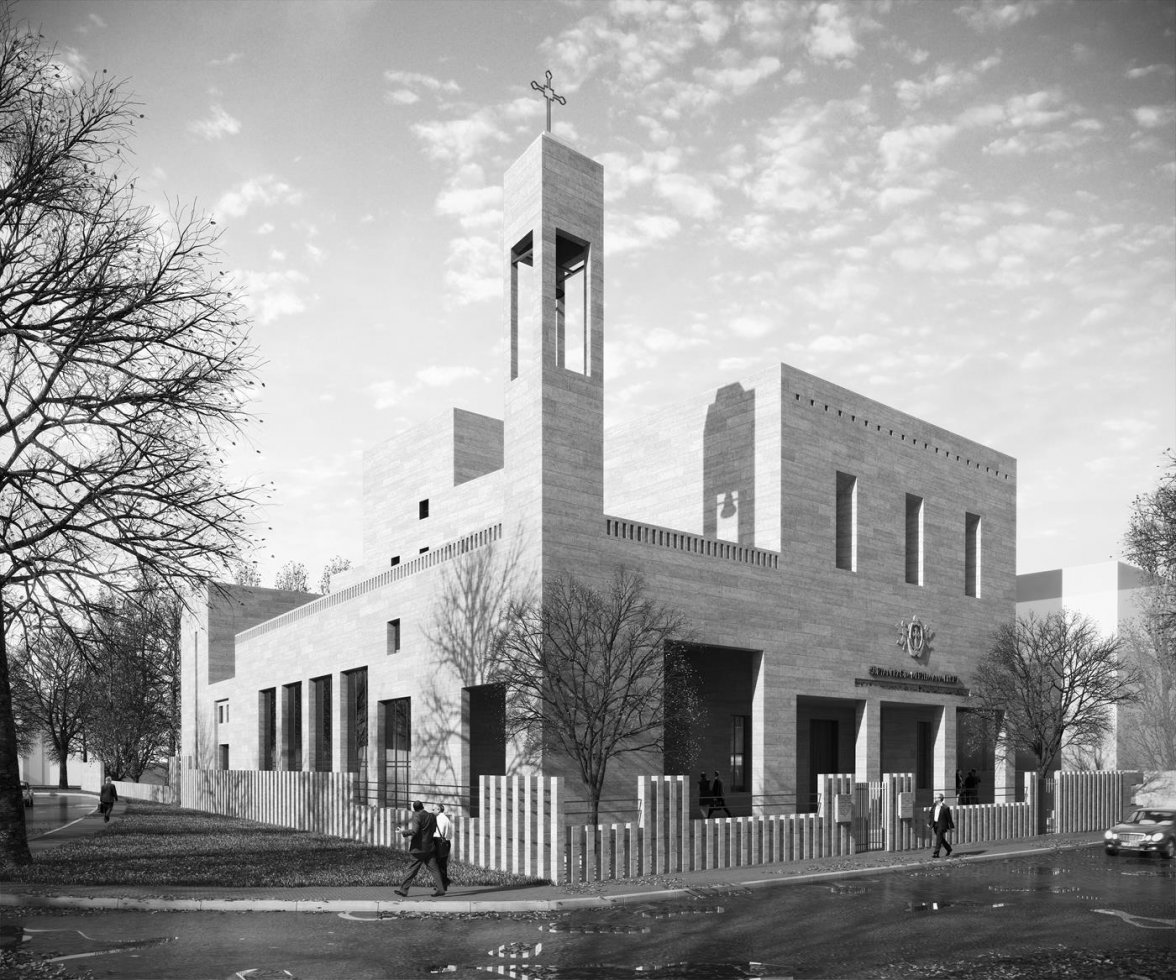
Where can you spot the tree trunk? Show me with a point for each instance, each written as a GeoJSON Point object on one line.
{"type": "Point", "coordinates": [63, 765]}
{"type": "Point", "coordinates": [14, 841]}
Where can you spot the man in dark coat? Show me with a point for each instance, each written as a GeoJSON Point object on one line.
{"type": "Point", "coordinates": [941, 823]}
{"type": "Point", "coordinates": [717, 801]}
{"type": "Point", "coordinates": [421, 829]}
{"type": "Point", "coordinates": [106, 799]}
{"type": "Point", "coordinates": [704, 794]}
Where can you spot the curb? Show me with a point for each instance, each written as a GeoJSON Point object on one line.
{"type": "Point", "coordinates": [466, 906]}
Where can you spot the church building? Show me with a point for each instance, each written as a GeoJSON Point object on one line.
{"type": "Point", "coordinates": [842, 564]}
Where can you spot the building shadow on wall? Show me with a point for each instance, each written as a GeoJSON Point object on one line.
{"type": "Point", "coordinates": [728, 466]}
{"type": "Point", "coordinates": [460, 733]}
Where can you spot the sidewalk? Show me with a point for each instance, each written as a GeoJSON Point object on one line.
{"type": "Point", "coordinates": [531, 898]}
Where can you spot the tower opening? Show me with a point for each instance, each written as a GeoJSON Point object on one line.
{"type": "Point", "coordinates": [573, 337]}
{"type": "Point", "coordinates": [522, 297]}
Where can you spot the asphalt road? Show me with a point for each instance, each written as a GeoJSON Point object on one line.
{"type": "Point", "coordinates": [1075, 913]}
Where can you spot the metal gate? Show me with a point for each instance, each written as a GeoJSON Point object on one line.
{"type": "Point", "coordinates": [867, 816]}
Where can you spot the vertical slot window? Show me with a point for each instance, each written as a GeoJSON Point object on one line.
{"type": "Point", "coordinates": [573, 338]}
{"type": "Point", "coordinates": [320, 693]}
{"type": "Point", "coordinates": [523, 299]}
{"type": "Point", "coordinates": [396, 721]}
{"type": "Point", "coordinates": [740, 752]}
{"type": "Point", "coordinates": [267, 703]}
{"type": "Point", "coordinates": [972, 562]}
{"type": "Point", "coordinates": [914, 539]}
{"type": "Point", "coordinates": [847, 506]}
{"type": "Point", "coordinates": [292, 726]}
{"type": "Point", "coordinates": [355, 688]}
{"type": "Point", "coordinates": [393, 635]}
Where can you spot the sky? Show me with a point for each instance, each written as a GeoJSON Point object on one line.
{"type": "Point", "coordinates": [966, 211]}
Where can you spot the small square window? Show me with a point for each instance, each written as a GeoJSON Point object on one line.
{"type": "Point", "coordinates": [423, 509]}
{"type": "Point", "coordinates": [395, 560]}
{"type": "Point", "coordinates": [424, 549]}
{"type": "Point", "coordinates": [393, 635]}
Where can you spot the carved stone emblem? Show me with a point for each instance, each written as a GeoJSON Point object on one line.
{"type": "Point", "coordinates": [914, 637]}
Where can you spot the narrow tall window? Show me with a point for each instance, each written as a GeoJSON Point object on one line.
{"type": "Point", "coordinates": [972, 555]}
{"type": "Point", "coordinates": [423, 509]}
{"type": "Point", "coordinates": [740, 752]}
{"type": "Point", "coordinates": [847, 521]}
{"type": "Point", "coordinates": [292, 726]}
{"type": "Point", "coordinates": [573, 337]}
{"type": "Point", "coordinates": [396, 722]}
{"type": "Point", "coordinates": [522, 298]}
{"type": "Point", "coordinates": [267, 718]}
{"type": "Point", "coordinates": [914, 539]}
{"type": "Point", "coordinates": [320, 709]}
{"type": "Point", "coordinates": [355, 693]}
{"type": "Point", "coordinates": [393, 635]}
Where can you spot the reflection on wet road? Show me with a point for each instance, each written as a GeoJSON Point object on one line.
{"type": "Point", "coordinates": [1101, 916]}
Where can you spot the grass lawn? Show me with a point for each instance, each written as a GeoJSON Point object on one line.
{"type": "Point", "coordinates": [157, 844]}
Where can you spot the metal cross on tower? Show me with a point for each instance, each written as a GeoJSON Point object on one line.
{"type": "Point", "coordinates": [549, 94]}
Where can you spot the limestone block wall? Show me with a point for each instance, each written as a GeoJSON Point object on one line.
{"type": "Point", "coordinates": [675, 467]}
{"type": "Point", "coordinates": [453, 462]}
{"type": "Point", "coordinates": [208, 655]}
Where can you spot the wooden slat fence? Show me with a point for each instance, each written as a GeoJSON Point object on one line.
{"type": "Point", "coordinates": [523, 828]}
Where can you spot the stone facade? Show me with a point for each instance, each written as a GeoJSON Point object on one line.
{"type": "Point", "coordinates": [797, 523]}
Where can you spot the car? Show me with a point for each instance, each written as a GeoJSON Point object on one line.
{"type": "Point", "coordinates": [1147, 829]}
{"type": "Point", "coordinates": [27, 792]}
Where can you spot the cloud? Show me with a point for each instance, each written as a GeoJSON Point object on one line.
{"type": "Point", "coordinates": [689, 195]}
{"type": "Point", "coordinates": [217, 126]}
{"type": "Point", "coordinates": [473, 271]}
{"type": "Point", "coordinates": [1154, 116]}
{"type": "Point", "coordinates": [407, 87]}
{"type": "Point", "coordinates": [270, 295]}
{"type": "Point", "coordinates": [388, 393]}
{"type": "Point", "coordinates": [751, 327]}
{"type": "Point", "coordinates": [890, 198]}
{"type": "Point", "coordinates": [265, 190]}
{"type": "Point", "coordinates": [625, 232]}
{"type": "Point", "coordinates": [830, 37]}
{"type": "Point", "coordinates": [469, 199]}
{"type": "Point", "coordinates": [914, 147]}
{"type": "Point", "coordinates": [992, 15]}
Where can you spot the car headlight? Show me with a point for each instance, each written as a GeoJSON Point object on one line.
{"type": "Point", "coordinates": [1109, 835]}
{"type": "Point", "coordinates": [1155, 837]}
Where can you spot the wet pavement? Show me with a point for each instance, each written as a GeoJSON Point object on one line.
{"type": "Point", "coordinates": [1065, 912]}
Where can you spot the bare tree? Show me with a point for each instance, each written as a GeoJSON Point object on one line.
{"type": "Point", "coordinates": [336, 564]}
{"type": "Point", "coordinates": [52, 692]}
{"type": "Point", "coordinates": [586, 673]}
{"type": "Point", "coordinates": [124, 364]}
{"type": "Point", "coordinates": [1049, 684]}
{"type": "Point", "coordinates": [1150, 544]}
{"type": "Point", "coordinates": [468, 616]}
{"type": "Point", "coordinates": [246, 573]}
{"type": "Point", "coordinates": [1150, 724]}
{"type": "Point", "coordinates": [135, 657]}
{"type": "Point", "coordinates": [292, 577]}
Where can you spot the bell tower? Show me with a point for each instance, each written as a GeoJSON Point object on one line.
{"type": "Point", "coordinates": [553, 452]}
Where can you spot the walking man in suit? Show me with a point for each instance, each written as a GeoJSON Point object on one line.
{"type": "Point", "coordinates": [941, 823]}
{"type": "Point", "coordinates": [424, 855]}
{"type": "Point", "coordinates": [441, 842]}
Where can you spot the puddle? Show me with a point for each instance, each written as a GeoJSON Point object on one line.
{"type": "Point", "coordinates": [745, 970]}
{"type": "Point", "coordinates": [1039, 869]}
{"type": "Point", "coordinates": [848, 889]}
{"type": "Point", "coordinates": [942, 906]}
